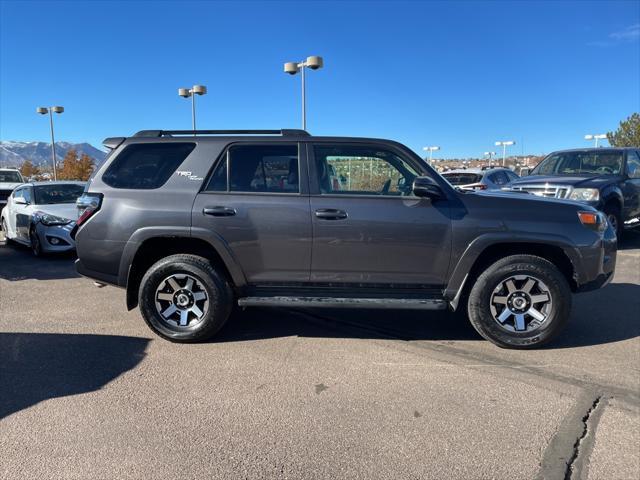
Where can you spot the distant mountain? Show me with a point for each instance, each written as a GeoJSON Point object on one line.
{"type": "Point", "coordinates": [13, 154]}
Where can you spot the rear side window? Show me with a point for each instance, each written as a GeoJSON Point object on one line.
{"type": "Point", "coordinates": [146, 166]}
{"type": "Point", "coordinates": [258, 168]}
{"type": "Point", "coordinates": [462, 178]}
{"type": "Point", "coordinates": [499, 178]}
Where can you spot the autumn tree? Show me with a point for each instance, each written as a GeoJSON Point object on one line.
{"type": "Point", "coordinates": [85, 167]}
{"type": "Point", "coordinates": [29, 170]}
{"type": "Point", "coordinates": [627, 134]}
{"type": "Point", "coordinates": [69, 170]}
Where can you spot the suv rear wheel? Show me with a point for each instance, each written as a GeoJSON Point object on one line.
{"type": "Point", "coordinates": [184, 299]}
{"type": "Point", "coordinates": [521, 301]}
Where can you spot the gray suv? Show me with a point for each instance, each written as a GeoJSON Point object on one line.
{"type": "Point", "coordinates": [193, 223]}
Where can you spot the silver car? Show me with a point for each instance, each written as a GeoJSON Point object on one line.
{"type": "Point", "coordinates": [42, 215]}
{"type": "Point", "coordinates": [480, 178]}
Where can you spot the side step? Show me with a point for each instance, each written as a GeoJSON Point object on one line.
{"type": "Point", "coordinates": [331, 302]}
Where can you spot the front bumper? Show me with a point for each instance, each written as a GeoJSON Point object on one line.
{"type": "Point", "coordinates": [599, 262]}
{"type": "Point", "coordinates": [56, 238]}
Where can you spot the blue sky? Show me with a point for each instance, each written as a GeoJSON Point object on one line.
{"type": "Point", "coordinates": [456, 74]}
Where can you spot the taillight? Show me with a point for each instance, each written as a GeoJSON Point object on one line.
{"type": "Point", "coordinates": [478, 186]}
{"type": "Point", "coordinates": [88, 204]}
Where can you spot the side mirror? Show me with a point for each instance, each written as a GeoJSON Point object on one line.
{"type": "Point", "coordinates": [427, 187]}
{"type": "Point", "coordinates": [20, 201]}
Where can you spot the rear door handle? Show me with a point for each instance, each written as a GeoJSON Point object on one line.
{"type": "Point", "coordinates": [219, 211]}
{"type": "Point", "coordinates": [331, 214]}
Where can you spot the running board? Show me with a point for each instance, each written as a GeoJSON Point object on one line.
{"type": "Point", "coordinates": [329, 302]}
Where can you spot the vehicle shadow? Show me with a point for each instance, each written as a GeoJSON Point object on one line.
{"type": "Point", "coordinates": [18, 263]}
{"type": "Point", "coordinates": [35, 367]}
{"type": "Point", "coordinates": [599, 317]}
{"type": "Point", "coordinates": [630, 240]}
{"type": "Point", "coordinates": [602, 316]}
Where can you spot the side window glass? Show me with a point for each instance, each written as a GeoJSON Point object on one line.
{"type": "Point", "coordinates": [26, 194]}
{"type": "Point", "coordinates": [500, 178]}
{"type": "Point", "coordinates": [633, 165]}
{"type": "Point", "coordinates": [364, 170]}
{"type": "Point", "coordinates": [18, 193]}
{"type": "Point", "coordinates": [146, 166]}
{"type": "Point", "coordinates": [258, 168]}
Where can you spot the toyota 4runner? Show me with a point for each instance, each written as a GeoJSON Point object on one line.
{"type": "Point", "coordinates": [193, 223]}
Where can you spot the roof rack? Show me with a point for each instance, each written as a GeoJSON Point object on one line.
{"type": "Point", "coordinates": [171, 133]}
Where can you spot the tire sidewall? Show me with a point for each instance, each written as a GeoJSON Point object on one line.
{"type": "Point", "coordinates": [615, 212]}
{"type": "Point", "coordinates": [479, 303]}
{"type": "Point", "coordinates": [216, 287]}
{"type": "Point", "coordinates": [36, 247]}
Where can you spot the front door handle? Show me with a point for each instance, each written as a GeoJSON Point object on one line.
{"type": "Point", "coordinates": [331, 214]}
{"type": "Point", "coordinates": [219, 211]}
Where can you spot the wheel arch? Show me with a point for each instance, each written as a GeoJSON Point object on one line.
{"type": "Point", "coordinates": [475, 260]}
{"type": "Point", "coordinates": [154, 248]}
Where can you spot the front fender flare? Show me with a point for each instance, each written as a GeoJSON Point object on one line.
{"type": "Point", "coordinates": [475, 249]}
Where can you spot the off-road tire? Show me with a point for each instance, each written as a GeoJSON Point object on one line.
{"type": "Point", "coordinates": [220, 297]}
{"type": "Point", "coordinates": [479, 302]}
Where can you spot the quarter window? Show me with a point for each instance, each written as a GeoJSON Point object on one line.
{"type": "Point", "coordinates": [362, 170]}
{"type": "Point", "coordinates": [146, 166]}
{"type": "Point", "coordinates": [258, 168]}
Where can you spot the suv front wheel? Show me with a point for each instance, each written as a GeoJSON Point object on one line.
{"type": "Point", "coordinates": [521, 301]}
{"type": "Point", "coordinates": [184, 299]}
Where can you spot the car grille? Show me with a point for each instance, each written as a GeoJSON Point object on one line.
{"type": "Point", "coordinates": [550, 191]}
{"type": "Point", "coordinates": [4, 194]}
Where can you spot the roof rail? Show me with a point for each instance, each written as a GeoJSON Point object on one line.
{"type": "Point", "coordinates": [169, 133]}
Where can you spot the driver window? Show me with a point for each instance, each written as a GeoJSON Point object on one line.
{"type": "Point", "coordinates": [633, 165]}
{"type": "Point", "coordinates": [362, 170]}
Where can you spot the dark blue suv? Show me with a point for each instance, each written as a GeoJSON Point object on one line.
{"type": "Point", "coordinates": [605, 178]}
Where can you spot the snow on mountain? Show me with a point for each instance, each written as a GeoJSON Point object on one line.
{"type": "Point", "coordinates": [14, 153]}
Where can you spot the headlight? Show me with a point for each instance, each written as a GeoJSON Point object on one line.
{"type": "Point", "coordinates": [585, 194]}
{"type": "Point", "coordinates": [49, 220]}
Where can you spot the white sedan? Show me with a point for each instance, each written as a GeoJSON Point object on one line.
{"type": "Point", "coordinates": [42, 215]}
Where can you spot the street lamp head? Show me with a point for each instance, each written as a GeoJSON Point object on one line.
{"type": "Point", "coordinates": [291, 68]}
{"type": "Point", "coordinates": [42, 110]}
{"type": "Point", "coordinates": [510, 142]}
{"type": "Point", "coordinates": [498, 144]}
{"type": "Point", "coordinates": [184, 92]}
{"type": "Point", "coordinates": [314, 63]}
{"type": "Point", "coordinates": [199, 90]}
{"type": "Point", "coordinates": [601, 136]}
{"type": "Point", "coordinates": [588, 137]}
{"type": "Point", "coordinates": [57, 109]}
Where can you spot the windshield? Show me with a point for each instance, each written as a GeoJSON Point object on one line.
{"type": "Point", "coordinates": [10, 177]}
{"type": "Point", "coordinates": [49, 194]}
{"type": "Point", "coordinates": [589, 162]}
{"type": "Point", "coordinates": [462, 178]}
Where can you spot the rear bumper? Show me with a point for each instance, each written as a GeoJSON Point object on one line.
{"type": "Point", "coordinates": [93, 275]}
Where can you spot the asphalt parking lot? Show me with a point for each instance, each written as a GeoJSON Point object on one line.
{"type": "Point", "coordinates": [87, 391]}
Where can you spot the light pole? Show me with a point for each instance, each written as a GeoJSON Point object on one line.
{"type": "Point", "coordinates": [490, 155]}
{"type": "Point", "coordinates": [431, 150]}
{"type": "Point", "coordinates": [192, 92]}
{"type": "Point", "coordinates": [314, 63]}
{"type": "Point", "coordinates": [504, 144]}
{"type": "Point", "coordinates": [51, 111]}
{"type": "Point", "coordinates": [600, 136]}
